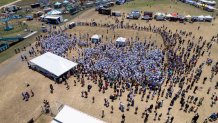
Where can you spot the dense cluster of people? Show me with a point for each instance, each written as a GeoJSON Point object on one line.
{"type": "Point", "coordinates": [132, 69]}
{"type": "Point", "coordinates": [181, 69]}
{"type": "Point", "coordinates": [57, 42]}
{"type": "Point", "coordinates": [132, 63]}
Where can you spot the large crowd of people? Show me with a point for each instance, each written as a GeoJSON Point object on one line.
{"type": "Point", "coordinates": [138, 65]}
{"type": "Point", "coordinates": [132, 63]}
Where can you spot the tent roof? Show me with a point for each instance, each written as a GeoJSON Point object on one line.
{"type": "Point", "coordinates": [168, 15]}
{"type": "Point", "coordinates": [57, 3]}
{"type": "Point", "coordinates": [53, 63]}
{"type": "Point", "coordinates": [55, 12]}
{"type": "Point", "coordinates": [174, 14]}
{"type": "Point", "coordinates": [70, 115]}
{"type": "Point", "coordinates": [52, 16]}
{"type": "Point", "coordinates": [159, 14]}
{"type": "Point", "coordinates": [188, 16]}
{"type": "Point", "coordinates": [121, 39]}
{"type": "Point", "coordinates": [66, 1]}
{"type": "Point", "coordinates": [95, 36]}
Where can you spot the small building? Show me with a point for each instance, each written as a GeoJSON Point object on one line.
{"type": "Point", "coordinates": [121, 42]}
{"type": "Point", "coordinates": [52, 66]}
{"type": "Point", "coordinates": [53, 19]}
{"type": "Point", "coordinates": [96, 39]}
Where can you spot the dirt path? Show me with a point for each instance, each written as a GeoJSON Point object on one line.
{"type": "Point", "coordinates": [10, 4]}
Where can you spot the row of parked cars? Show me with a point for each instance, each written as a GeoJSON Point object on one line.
{"type": "Point", "coordinates": [170, 17]}
{"type": "Point", "coordinates": [137, 14]}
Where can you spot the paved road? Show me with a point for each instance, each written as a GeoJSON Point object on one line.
{"type": "Point", "coordinates": [10, 3]}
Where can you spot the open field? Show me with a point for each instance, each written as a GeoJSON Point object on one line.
{"type": "Point", "coordinates": [14, 73]}
{"type": "Point", "coordinates": [162, 6]}
{"type": "Point", "coordinates": [33, 25]}
{"type": "Point", "coordinates": [4, 2]}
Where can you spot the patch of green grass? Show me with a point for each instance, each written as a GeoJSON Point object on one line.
{"type": "Point", "coordinates": [10, 52]}
{"type": "Point", "coordinates": [166, 6]}
{"type": "Point", "coordinates": [17, 30]}
{"type": "Point", "coordinates": [144, 3]}
{"type": "Point", "coordinates": [4, 2]}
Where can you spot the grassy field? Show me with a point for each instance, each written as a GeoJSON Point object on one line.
{"type": "Point", "coordinates": [17, 30]}
{"type": "Point", "coordinates": [10, 52]}
{"type": "Point", "coordinates": [4, 2]}
{"type": "Point", "coordinates": [167, 6]}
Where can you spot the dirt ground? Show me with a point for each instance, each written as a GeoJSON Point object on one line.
{"type": "Point", "coordinates": [14, 74]}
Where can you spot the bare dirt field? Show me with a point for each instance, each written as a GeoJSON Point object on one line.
{"type": "Point", "coordinates": [14, 74]}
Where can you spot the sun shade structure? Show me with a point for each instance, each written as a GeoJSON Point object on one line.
{"type": "Point", "coordinates": [96, 38]}
{"type": "Point", "coordinates": [55, 12]}
{"type": "Point", "coordinates": [121, 42]}
{"type": "Point", "coordinates": [70, 115]}
{"type": "Point", "coordinates": [53, 64]}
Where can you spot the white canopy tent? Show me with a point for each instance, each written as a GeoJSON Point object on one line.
{"type": "Point", "coordinates": [53, 64]}
{"type": "Point", "coordinates": [188, 16]}
{"type": "Point", "coordinates": [55, 12]}
{"type": "Point", "coordinates": [96, 38]}
{"type": "Point", "coordinates": [121, 41]}
{"type": "Point", "coordinates": [169, 15]}
{"type": "Point", "coordinates": [70, 115]}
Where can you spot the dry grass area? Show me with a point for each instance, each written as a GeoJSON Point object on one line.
{"type": "Point", "coordinates": [14, 74]}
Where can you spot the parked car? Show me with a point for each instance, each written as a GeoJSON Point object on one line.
{"type": "Point", "coordinates": [134, 15]}
{"type": "Point", "coordinates": [98, 7]}
{"type": "Point", "coordinates": [147, 16]}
